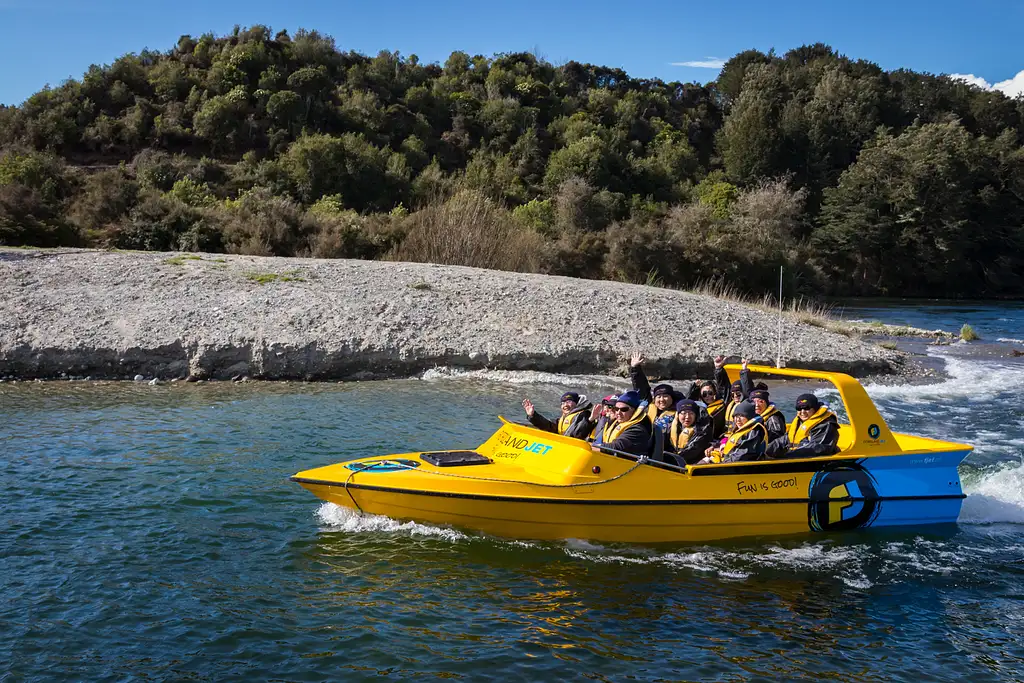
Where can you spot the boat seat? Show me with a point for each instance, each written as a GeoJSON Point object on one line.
{"type": "Point", "coordinates": [846, 438]}
{"type": "Point", "coordinates": [656, 451]}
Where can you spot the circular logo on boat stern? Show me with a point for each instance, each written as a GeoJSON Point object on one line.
{"type": "Point", "coordinates": [874, 431]}
{"type": "Point", "coordinates": [843, 496]}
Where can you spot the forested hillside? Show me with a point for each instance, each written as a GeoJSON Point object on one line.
{"type": "Point", "coordinates": [860, 181]}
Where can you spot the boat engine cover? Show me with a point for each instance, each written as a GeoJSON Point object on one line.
{"type": "Point", "coordinates": [455, 458]}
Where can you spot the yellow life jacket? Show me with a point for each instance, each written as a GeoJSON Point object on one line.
{"type": "Point", "coordinates": [729, 409]}
{"type": "Point", "coordinates": [798, 429]}
{"type": "Point", "coordinates": [565, 421]}
{"type": "Point", "coordinates": [654, 413]}
{"type": "Point", "coordinates": [619, 427]}
{"type": "Point", "coordinates": [609, 425]}
{"type": "Point", "coordinates": [741, 432]}
{"type": "Point", "coordinates": [768, 412]}
{"type": "Point", "coordinates": [680, 435]}
{"type": "Point", "coordinates": [715, 406]}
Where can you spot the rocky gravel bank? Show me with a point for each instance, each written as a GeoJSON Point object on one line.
{"type": "Point", "coordinates": [118, 315]}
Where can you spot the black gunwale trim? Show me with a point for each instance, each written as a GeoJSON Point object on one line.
{"type": "Point", "coordinates": [758, 467]}
{"type": "Point", "coordinates": [573, 501]}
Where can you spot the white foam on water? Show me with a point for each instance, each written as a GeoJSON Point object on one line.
{"type": "Point", "coordinates": [968, 379]}
{"type": "Point", "coordinates": [340, 518]}
{"type": "Point", "coordinates": [1009, 340]}
{"type": "Point", "coordinates": [521, 544]}
{"type": "Point", "coordinates": [606, 559]}
{"type": "Point", "coordinates": [525, 377]}
{"type": "Point", "coordinates": [735, 575]}
{"type": "Point", "coordinates": [923, 555]}
{"type": "Point", "coordinates": [738, 566]}
{"type": "Point", "coordinates": [582, 544]}
{"type": "Point", "coordinates": [813, 556]}
{"type": "Point", "coordinates": [995, 497]}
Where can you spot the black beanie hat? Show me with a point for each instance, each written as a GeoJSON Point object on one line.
{"type": "Point", "coordinates": [744, 408]}
{"type": "Point", "coordinates": [736, 386]}
{"type": "Point", "coordinates": [687, 404]}
{"type": "Point", "coordinates": [663, 389]}
{"type": "Point", "coordinates": [758, 393]}
{"type": "Point", "coordinates": [571, 396]}
{"type": "Point", "coordinates": [807, 401]}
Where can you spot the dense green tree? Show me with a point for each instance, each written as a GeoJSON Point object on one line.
{"type": "Point", "coordinates": [936, 197]}
{"type": "Point", "coordinates": [318, 165]}
{"type": "Point", "coordinates": [734, 72]}
{"type": "Point", "coordinates": [752, 140]}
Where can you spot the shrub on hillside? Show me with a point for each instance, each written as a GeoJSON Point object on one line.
{"type": "Point", "coordinates": [469, 230]}
{"type": "Point", "coordinates": [27, 219]}
{"type": "Point", "coordinates": [49, 175]}
{"type": "Point", "coordinates": [262, 224]}
{"type": "Point", "coordinates": [105, 198]}
{"type": "Point", "coordinates": [162, 223]}
{"type": "Point", "coordinates": [637, 248]}
{"type": "Point", "coordinates": [347, 234]}
{"type": "Point", "coordinates": [34, 192]}
{"type": "Point", "coordinates": [576, 254]}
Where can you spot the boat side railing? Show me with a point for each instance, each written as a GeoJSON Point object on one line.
{"type": "Point", "coordinates": [646, 460]}
{"type": "Point", "coordinates": [684, 469]}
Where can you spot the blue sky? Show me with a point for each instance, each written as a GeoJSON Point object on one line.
{"type": "Point", "coordinates": [47, 41]}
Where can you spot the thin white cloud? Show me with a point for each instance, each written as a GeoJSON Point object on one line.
{"type": "Point", "coordinates": [1012, 87]}
{"type": "Point", "coordinates": [971, 79]}
{"type": "Point", "coordinates": [706, 63]}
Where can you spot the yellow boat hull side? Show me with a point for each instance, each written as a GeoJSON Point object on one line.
{"type": "Point", "coordinates": [693, 523]}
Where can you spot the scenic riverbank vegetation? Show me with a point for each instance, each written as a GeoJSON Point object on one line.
{"type": "Point", "coordinates": [858, 180]}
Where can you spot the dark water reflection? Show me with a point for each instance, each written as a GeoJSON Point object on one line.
{"type": "Point", "coordinates": [150, 533]}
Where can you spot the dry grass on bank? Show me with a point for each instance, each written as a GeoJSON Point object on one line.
{"type": "Point", "coordinates": [469, 230]}
{"type": "Point", "coordinates": [800, 310]}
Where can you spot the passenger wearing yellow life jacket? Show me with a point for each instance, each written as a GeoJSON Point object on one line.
{"type": "Point", "coordinates": [814, 432]}
{"type": "Point", "coordinates": [715, 408]}
{"type": "Point", "coordinates": [631, 432]}
{"type": "Point", "coordinates": [774, 420]}
{"type": "Point", "coordinates": [735, 391]}
{"type": "Point", "coordinates": [747, 441]}
{"type": "Point", "coordinates": [601, 417]}
{"type": "Point", "coordinates": [661, 400]}
{"type": "Point", "coordinates": [690, 434]}
{"type": "Point", "coordinates": [574, 421]}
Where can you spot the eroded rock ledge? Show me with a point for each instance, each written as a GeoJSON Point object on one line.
{"type": "Point", "coordinates": [117, 315]}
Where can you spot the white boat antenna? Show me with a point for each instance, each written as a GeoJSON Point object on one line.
{"type": "Point", "coordinates": [778, 358]}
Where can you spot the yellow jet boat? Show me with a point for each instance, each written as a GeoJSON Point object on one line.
{"type": "Point", "coordinates": [526, 483]}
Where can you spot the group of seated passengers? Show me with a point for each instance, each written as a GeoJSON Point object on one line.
{"type": "Point", "coordinates": [701, 427]}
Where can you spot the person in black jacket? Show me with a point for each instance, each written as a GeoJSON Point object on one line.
{"type": "Point", "coordinates": [715, 408]}
{"type": "Point", "coordinates": [690, 434]}
{"type": "Point", "coordinates": [601, 416]}
{"type": "Point", "coordinates": [574, 421]}
{"type": "Point", "coordinates": [774, 420]}
{"type": "Point", "coordinates": [632, 430]}
{"type": "Point", "coordinates": [733, 394]}
{"type": "Point", "coordinates": [661, 400]}
{"type": "Point", "coordinates": [813, 434]}
{"type": "Point", "coordinates": [746, 442]}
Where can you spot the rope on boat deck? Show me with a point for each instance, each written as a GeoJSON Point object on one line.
{"type": "Point", "coordinates": [391, 463]}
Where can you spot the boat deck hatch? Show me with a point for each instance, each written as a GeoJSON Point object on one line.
{"type": "Point", "coordinates": [455, 458]}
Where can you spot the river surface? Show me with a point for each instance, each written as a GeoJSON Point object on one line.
{"type": "Point", "coordinates": [150, 533]}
